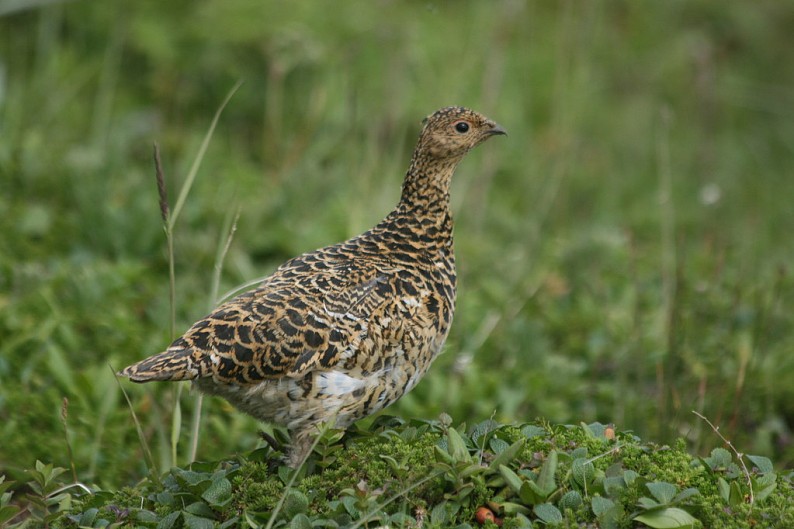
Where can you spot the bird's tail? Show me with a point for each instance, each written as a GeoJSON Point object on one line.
{"type": "Point", "coordinates": [176, 363]}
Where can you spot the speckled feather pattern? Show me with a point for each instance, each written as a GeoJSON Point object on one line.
{"type": "Point", "coordinates": [343, 331]}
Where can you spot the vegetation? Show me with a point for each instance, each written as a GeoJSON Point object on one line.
{"type": "Point", "coordinates": [623, 255]}
{"type": "Point", "coordinates": [431, 474]}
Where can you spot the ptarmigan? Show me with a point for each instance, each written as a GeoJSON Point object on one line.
{"type": "Point", "coordinates": [343, 331]}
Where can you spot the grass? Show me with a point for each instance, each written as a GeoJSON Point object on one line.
{"type": "Point", "coordinates": [623, 255]}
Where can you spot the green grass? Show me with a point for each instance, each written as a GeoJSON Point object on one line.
{"type": "Point", "coordinates": [624, 254]}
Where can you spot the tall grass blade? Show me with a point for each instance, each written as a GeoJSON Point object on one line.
{"type": "Point", "coordinates": [169, 220]}
{"type": "Point", "coordinates": [176, 423]}
{"type": "Point", "coordinates": [165, 213]}
{"type": "Point", "coordinates": [147, 453]}
{"type": "Point", "coordinates": [668, 262]}
{"type": "Point", "coordinates": [220, 257]}
{"type": "Point", "coordinates": [162, 193]}
{"type": "Point", "coordinates": [69, 452]}
{"type": "Point", "coordinates": [191, 176]}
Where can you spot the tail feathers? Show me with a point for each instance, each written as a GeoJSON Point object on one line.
{"type": "Point", "coordinates": [173, 364]}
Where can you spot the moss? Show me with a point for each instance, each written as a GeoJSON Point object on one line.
{"type": "Point", "coordinates": [255, 488]}
{"type": "Point", "coordinates": [388, 475]}
{"type": "Point", "coordinates": [386, 464]}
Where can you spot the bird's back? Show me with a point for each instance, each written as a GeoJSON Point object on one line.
{"type": "Point", "coordinates": [344, 306]}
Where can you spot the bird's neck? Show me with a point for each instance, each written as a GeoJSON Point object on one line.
{"type": "Point", "coordinates": [426, 186]}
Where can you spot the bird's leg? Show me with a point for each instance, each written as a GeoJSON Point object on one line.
{"type": "Point", "coordinates": [271, 441]}
{"type": "Point", "coordinates": [300, 446]}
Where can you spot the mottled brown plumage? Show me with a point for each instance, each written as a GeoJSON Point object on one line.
{"type": "Point", "coordinates": [343, 331]}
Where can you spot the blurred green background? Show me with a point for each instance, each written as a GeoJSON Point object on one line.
{"type": "Point", "coordinates": [624, 255]}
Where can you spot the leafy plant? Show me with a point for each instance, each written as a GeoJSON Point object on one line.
{"type": "Point", "coordinates": [660, 512]}
{"type": "Point", "coordinates": [7, 511]}
{"type": "Point", "coordinates": [397, 472]}
{"type": "Point", "coordinates": [735, 486]}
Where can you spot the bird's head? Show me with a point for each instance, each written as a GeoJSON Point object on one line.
{"type": "Point", "coordinates": [451, 132]}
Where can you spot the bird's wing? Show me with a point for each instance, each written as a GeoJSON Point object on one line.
{"type": "Point", "coordinates": [286, 327]}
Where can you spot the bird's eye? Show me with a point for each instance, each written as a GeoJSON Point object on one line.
{"type": "Point", "coordinates": [462, 127]}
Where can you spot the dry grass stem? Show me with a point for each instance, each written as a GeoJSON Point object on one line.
{"type": "Point", "coordinates": [738, 454]}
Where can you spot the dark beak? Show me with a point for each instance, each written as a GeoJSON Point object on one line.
{"type": "Point", "coordinates": [496, 130]}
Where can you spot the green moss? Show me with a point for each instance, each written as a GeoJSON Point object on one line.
{"type": "Point", "coordinates": [386, 464]}
{"type": "Point", "coordinates": [388, 475]}
{"type": "Point", "coordinates": [255, 488]}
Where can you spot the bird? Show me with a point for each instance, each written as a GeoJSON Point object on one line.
{"type": "Point", "coordinates": [339, 333]}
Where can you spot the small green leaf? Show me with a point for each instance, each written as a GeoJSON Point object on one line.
{"type": "Point", "coordinates": [199, 508]}
{"type": "Point", "coordinates": [762, 494]}
{"type": "Point", "coordinates": [349, 504]}
{"type": "Point", "coordinates": [579, 452]}
{"type": "Point", "coordinates": [663, 492]}
{"type": "Point", "coordinates": [546, 481]}
{"type": "Point", "coordinates": [442, 456]}
{"type": "Point", "coordinates": [570, 500]}
{"type": "Point", "coordinates": [255, 519]}
{"type": "Point", "coordinates": [508, 454]}
{"type": "Point", "coordinates": [514, 508]}
{"type": "Point", "coordinates": [470, 470]}
{"type": "Point", "coordinates": [285, 474]}
{"type": "Point", "coordinates": [529, 431]}
{"type": "Point", "coordinates": [586, 429]}
{"type": "Point", "coordinates": [457, 446]}
{"type": "Point", "coordinates": [725, 489]}
{"type": "Point", "coordinates": [166, 498]}
{"type": "Point", "coordinates": [168, 521]}
{"type": "Point", "coordinates": [685, 494]}
{"type": "Point", "coordinates": [143, 516]}
{"type": "Point", "coordinates": [6, 513]}
{"type": "Point", "coordinates": [522, 522]}
{"type": "Point", "coordinates": [764, 480]}
{"type": "Point", "coordinates": [408, 433]}
{"type": "Point", "coordinates": [595, 429]}
{"type": "Point", "coordinates": [629, 476]}
{"type": "Point", "coordinates": [482, 429]}
{"type": "Point", "coordinates": [197, 522]}
{"type": "Point", "coordinates": [531, 494]}
{"type": "Point", "coordinates": [300, 521]}
{"type": "Point", "coordinates": [763, 463]}
{"type": "Point", "coordinates": [393, 464]}
{"type": "Point", "coordinates": [219, 493]}
{"type": "Point", "coordinates": [438, 516]}
{"type": "Point", "coordinates": [647, 503]}
{"type": "Point", "coordinates": [601, 505]}
{"type": "Point", "coordinates": [583, 471]}
{"type": "Point", "coordinates": [737, 498]}
{"type": "Point", "coordinates": [669, 518]}
{"type": "Point", "coordinates": [511, 478]}
{"type": "Point", "coordinates": [295, 503]}
{"type": "Point", "coordinates": [402, 519]}
{"type": "Point", "coordinates": [462, 493]}
{"type": "Point", "coordinates": [613, 485]}
{"type": "Point", "coordinates": [4, 485]}
{"type": "Point", "coordinates": [190, 479]}
{"type": "Point", "coordinates": [498, 445]}
{"type": "Point", "coordinates": [234, 521]}
{"type": "Point", "coordinates": [548, 513]}
{"type": "Point", "coordinates": [720, 459]}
